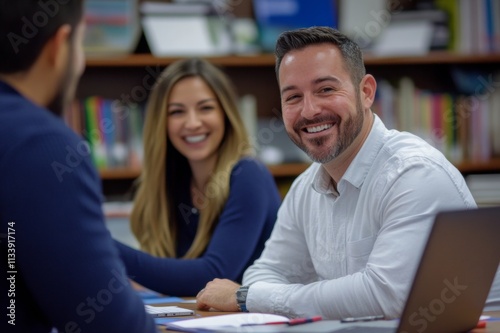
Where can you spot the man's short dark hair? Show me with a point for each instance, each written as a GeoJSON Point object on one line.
{"type": "Point", "coordinates": [27, 25]}
{"type": "Point", "coordinates": [300, 38]}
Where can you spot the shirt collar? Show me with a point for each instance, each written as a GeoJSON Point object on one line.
{"type": "Point", "coordinates": [359, 167]}
{"type": "Point", "coordinates": [322, 182]}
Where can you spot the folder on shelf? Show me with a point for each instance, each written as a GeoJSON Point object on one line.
{"type": "Point", "coordinates": [112, 27]}
{"type": "Point", "coordinates": [405, 38]}
{"type": "Point", "coordinates": [274, 17]}
{"type": "Point", "coordinates": [173, 29]}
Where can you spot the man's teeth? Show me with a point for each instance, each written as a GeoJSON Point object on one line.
{"type": "Point", "coordinates": [195, 139]}
{"type": "Point", "coordinates": [318, 128]}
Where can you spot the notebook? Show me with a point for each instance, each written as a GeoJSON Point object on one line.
{"type": "Point", "coordinates": [451, 284]}
{"type": "Point", "coordinates": [227, 322]}
{"type": "Point", "coordinates": [167, 311]}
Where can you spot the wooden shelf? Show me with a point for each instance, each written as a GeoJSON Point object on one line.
{"type": "Point", "coordinates": [119, 173]}
{"type": "Point", "coordinates": [288, 170]}
{"type": "Point", "coordinates": [435, 57]}
{"type": "Point", "coordinates": [135, 60]}
{"type": "Point", "coordinates": [282, 170]}
{"type": "Point", "coordinates": [294, 169]}
{"type": "Point", "coordinates": [479, 167]}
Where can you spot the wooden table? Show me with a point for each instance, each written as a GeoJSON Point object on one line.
{"type": "Point", "coordinates": [491, 327]}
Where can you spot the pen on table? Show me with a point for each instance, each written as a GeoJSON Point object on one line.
{"type": "Point", "coordinates": [291, 322]}
{"type": "Point", "coordinates": [268, 323]}
{"type": "Point", "coordinates": [300, 321]}
{"type": "Point", "coordinates": [358, 319]}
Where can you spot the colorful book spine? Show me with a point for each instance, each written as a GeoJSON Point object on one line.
{"type": "Point", "coordinates": [114, 132]}
{"type": "Point", "coordinates": [462, 127]}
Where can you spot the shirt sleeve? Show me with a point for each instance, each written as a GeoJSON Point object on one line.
{"type": "Point", "coordinates": [253, 200]}
{"type": "Point", "coordinates": [283, 281]}
{"type": "Point", "coordinates": [71, 273]}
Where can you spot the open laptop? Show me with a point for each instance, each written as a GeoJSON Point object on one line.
{"type": "Point", "coordinates": [451, 284]}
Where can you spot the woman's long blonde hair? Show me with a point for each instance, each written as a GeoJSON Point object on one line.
{"type": "Point", "coordinates": [166, 172]}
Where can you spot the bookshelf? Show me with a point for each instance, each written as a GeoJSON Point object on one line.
{"type": "Point", "coordinates": [294, 169]}
{"type": "Point", "coordinates": [144, 59]}
{"type": "Point", "coordinates": [130, 77]}
{"type": "Point", "coordinates": [115, 77]}
{"type": "Point", "coordinates": [281, 170]}
{"type": "Point", "coordinates": [433, 58]}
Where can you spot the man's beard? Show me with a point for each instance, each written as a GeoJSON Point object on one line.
{"type": "Point", "coordinates": [346, 135]}
{"type": "Point", "coordinates": [58, 103]}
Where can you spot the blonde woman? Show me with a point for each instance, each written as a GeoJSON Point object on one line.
{"type": "Point", "coordinates": [204, 207]}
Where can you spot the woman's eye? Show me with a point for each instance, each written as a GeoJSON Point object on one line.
{"type": "Point", "coordinates": [207, 107]}
{"type": "Point", "coordinates": [174, 112]}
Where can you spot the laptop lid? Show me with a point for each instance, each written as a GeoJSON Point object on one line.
{"type": "Point", "coordinates": [455, 274]}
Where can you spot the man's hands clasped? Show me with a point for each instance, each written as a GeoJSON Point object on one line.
{"type": "Point", "coordinates": [219, 294]}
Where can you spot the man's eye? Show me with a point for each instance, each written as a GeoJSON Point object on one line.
{"type": "Point", "coordinates": [326, 89]}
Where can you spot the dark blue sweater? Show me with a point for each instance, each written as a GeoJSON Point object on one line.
{"type": "Point", "coordinates": [59, 265]}
{"type": "Point", "coordinates": [238, 239]}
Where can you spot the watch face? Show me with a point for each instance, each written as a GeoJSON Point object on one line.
{"type": "Point", "coordinates": [241, 298]}
{"type": "Point", "coordinates": [241, 294]}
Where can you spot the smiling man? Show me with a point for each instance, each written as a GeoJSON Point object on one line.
{"type": "Point", "coordinates": [352, 227]}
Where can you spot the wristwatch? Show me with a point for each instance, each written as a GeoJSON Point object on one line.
{"type": "Point", "coordinates": [241, 298]}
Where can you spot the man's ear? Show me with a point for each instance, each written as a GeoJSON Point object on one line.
{"type": "Point", "coordinates": [57, 48]}
{"type": "Point", "coordinates": [368, 87]}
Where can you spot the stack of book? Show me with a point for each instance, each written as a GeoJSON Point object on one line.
{"type": "Point", "coordinates": [463, 127]}
{"type": "Point", "coordinates": [474, 25]}
{"type": "Point", "coordinates": [485, 189]}
{"type": "Point", "coordinates": [113, 131]}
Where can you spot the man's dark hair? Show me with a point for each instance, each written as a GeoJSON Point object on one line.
{"type": "Point", "coordinates": [300, 38]}
{"type": "Point", "coordinates": [27, 25]}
